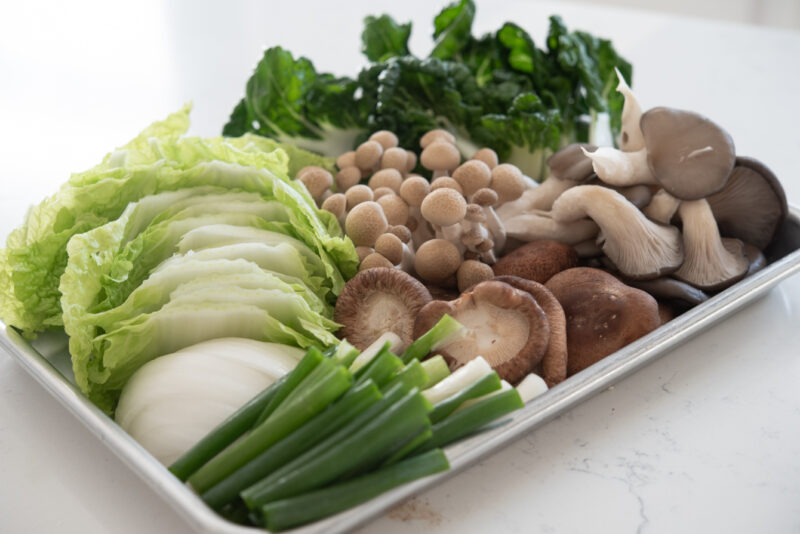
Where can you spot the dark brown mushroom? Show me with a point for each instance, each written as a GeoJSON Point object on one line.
{"type": "Point", "coordinates": [603, 314]}
{"type": "Point", "coordinates": [671, 289]}
{"type": "Point", "coordinates": [570, 163]}
{"type": "Point", "coordinates": [756, 258]}
{"type": "Point", "coordinates": [379, 300]}
{"type": "Point", "coordinates": [537, 260]}
{"type": "Point", "coordinates": [502, 324]}
{"type": "Point", "coordinates": [752, 206]}
{"type": "Point", "coordinates": [689, 155]}
{"type": "Point", "coordinates": [553, 367]}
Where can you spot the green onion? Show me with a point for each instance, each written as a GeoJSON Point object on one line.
{"type": "Point", "coordinates": [485, 385]}
{"type": "Point", "coordinates": [436, 369]}
{"type": "Point", "coordinates": [381, 369]}
{"type": "Point", "coordinates": [308, 363]}
{"type": "Point", "coordinates": [469, 419]}
{"type": "Point", "coordinates": [412, 375]}
{"type": "Point", "coordinates": [307, 401]}
{"type": "Point", "coordinates": [353, 403]}
{"type": "Point", "coordinates": [346, 353]}
{"type": "Point", "coordinates": [440, 333]}
{"type": "Point", "coordinates": [357, 444]}
{"type": "Point", "coordinates": [225, 433]}
{"type": "Point", "coordinates": [409, 446]}
{"type": "Point", "coordinates": [295, 511]}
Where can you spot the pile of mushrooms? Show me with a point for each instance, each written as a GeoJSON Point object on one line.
{"type": "Point", "coordinates": [445, 231]}
{"type": "Point", "coordinates": [556, 276]}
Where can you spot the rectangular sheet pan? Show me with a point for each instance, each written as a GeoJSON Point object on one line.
{"type": "Point", "coordinates": [48, 362]}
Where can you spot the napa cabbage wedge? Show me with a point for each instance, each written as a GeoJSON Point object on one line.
{"type": "Point", "coordinates": [160, 159]}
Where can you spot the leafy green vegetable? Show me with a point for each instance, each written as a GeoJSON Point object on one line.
{"type": "Point", "coordinates": [159, 159]}
{"type": "Point", "coordinates": [498, 90]}
{"type": "Point", "coordinates": [384, 38]}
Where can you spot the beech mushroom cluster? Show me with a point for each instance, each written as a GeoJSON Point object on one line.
{"type": "Point", "coordinates": [445, 230]}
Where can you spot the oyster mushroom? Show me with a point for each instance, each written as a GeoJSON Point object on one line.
{"type": "Point", "coordinates": [752, 206]}
{"type": "Point", "coordinates": [671, 289]}
{"type": "Point", "coordinates": [537, 260]}
{"type": "Point", "coordinates": [536, 225]}
{"type": "Point", "coordinates": [619, 168]}
{"type": "Point", "coordinates": [690, 156]}
{"type": "Point", "coordinates": [502, 324]}
{"type": "Point", "coordinates": [756, 258]}
{"type": "Point", "coordinates": [571, 163]}
{"type": "Point", "coordinates": [379, 300]}
{"type": "Point", "coordinates": [662, 207]}
{"type": "Point", "coordinates": [712, 262]}
{"type": "Point", "coordinates": [553, 367]}
{"type": "Point", "coordinates": [603, 314]}
{"type": "Point", "coordinates": [639, 248]}
{"type": "Point", "coordinates": [631, 138]}
{"type": "Point", "coordinates": [540, 197]}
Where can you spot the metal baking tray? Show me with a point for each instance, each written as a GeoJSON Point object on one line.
{"type": "Point", "coordinates": [48, 362]}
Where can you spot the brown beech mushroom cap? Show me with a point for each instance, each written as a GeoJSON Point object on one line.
{"type": "Point", "coordinates": [358, 194]}
{"type": "Point", "coordinates": [348, 159]}
{"type": "Point", "coordinates": [414, 189]}
{"type": "Point", "coordinates": [411, 160]}
{"type": "Point", "coordinates": [382, 191]}
{"type": "Point", "coordinates": [379, 300]}
{"type": "Point", "coordinates": [395, 209]}
{"type": "Point", "coordinates": [446, 181]}
{"type": "Point", "coordinates": [752, 206]}
{"type": "Point", "coordinates": [440, 156]}
{"type": "Point", "coordinates": [390, 178]}
{"type": "Point", "coordinates": [553, 367]}
{"type": "Point", "coordinates": [472, 175]}
{"type": "Point", "coordinates": [690, 156]}
{"type": "Point", "coordinates": [363, 252]}
{"type": "Point", "coordinates": [336, 204]}
{"type": "Point", "coordinates": [488, 156]}
{"type": "Point", "coordinates": [570, 163]}
{"type": "Point", "coordinates": [347, 178]}
{"type": "Point", "coordinates": [507, 182]}
{"type": "Point", "coordinates": [368, 155]}
{"type": "Point", "coordinates": [444, 207]}
{"type": "Point", "coordinates": [502, 324]}
{"type": "Point", "coordinates": [395, 158]}
{"type": "Point", "coordinates": [472, 272]}
{"type": "Point", "coordinates": [712, 262]}
{"type": "Point", "coordinates": [640, 248]}
{"type": "Point", "coordinates": [436, 135]}
{"type": "Point", "coordinates": [386, 139]}
{"type": "Point", "coordinates": [603, 314]}
{"type": "Point", "coordinates": [316, 179]}
{"type": "Point", "coordinates": [374, 260]}
{"type": "Point", "coordinates": [402, 232]}
{"type": "Point", "coordinates": [437, 260]}
{"type": "Point", "coordinates": [390, 247]}
{"type": "Point", "coordinates": [537, 261]}
{"type": "Point", "coordinates": [365, 223]}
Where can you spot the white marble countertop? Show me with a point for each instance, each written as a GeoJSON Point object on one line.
{"type": "Point", "coordinates": [704, 440]}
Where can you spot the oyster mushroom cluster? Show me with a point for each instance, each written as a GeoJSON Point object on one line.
{"type": "Point", "coordinates": [674, 204]}
{"type": "Point", "coordinates": [444, 230]}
